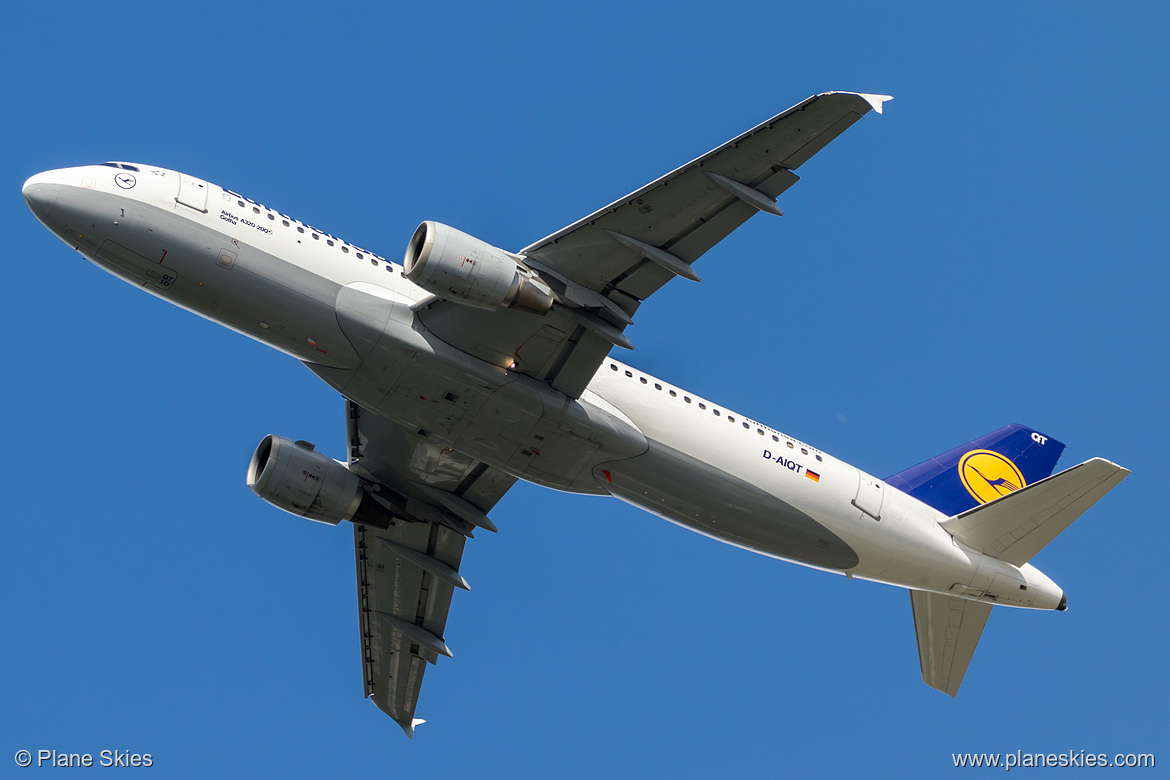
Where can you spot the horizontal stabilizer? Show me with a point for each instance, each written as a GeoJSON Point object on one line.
{"type": "Point", "coordinates": [1016, 527]}
{"type": "Point", "coordinates": [948, 630]}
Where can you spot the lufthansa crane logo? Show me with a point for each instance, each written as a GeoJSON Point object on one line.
{"type": "Point", "coordinates": [988, 475]}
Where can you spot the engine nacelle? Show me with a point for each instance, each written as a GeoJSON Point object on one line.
{"type": "Point", "coordinates": [294, 477]}
{"type": "Point", "coordinates": [461, 268]}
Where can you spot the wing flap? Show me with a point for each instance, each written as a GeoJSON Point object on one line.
{"type": "Point", "coordinates": [1016, 527]}
{"type": "Point", "coordinates": [948, 630]}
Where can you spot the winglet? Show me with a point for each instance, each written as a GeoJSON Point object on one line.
{"type": "Point", "coordinates": [875, 101]}
{"type": "Point", "coordinates": [409, 728]}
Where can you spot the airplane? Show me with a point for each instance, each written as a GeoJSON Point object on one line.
{"type": "Point", "coordinates": [466, 367]}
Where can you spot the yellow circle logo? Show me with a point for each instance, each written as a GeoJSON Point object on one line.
{"type": "Point", "coordinates": [988, 475]}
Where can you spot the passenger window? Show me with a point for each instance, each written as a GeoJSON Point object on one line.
{"type": "Point", "coordinates": [746, 425]}
{"type": "Point", "coordinates": [373, 262]}
{"type": "Point", "coordinates": [642, 379]}
{"type": "Point", "coordinates": [629, 375]}
{"type": "Point", "coordinates": [241, 203]}
{"type": "Point", "coordinates": [687, 398]}
{"type": "Point", "coordinates": [716, 412]}
{"type": "Point", "coordinates": [657, 386]}
{"type": "Point", "coordinates": [316, 237]}
{"type": "Point", "coordinates": [329, 241]}
{"type": "Point", "coordinates": [284, 222]}
{"type": "Point", "coordinates": [819, 457]}
{"type": "Point", "coordinates": [613, 367]}
{"type": "Point", "coordinates": [271, 217]}
{"type": "Point", "coordinates": [673, 394]}
{"type": "Point", "coordinates": [704, 406]}
{"type": "Point", "coordinates": [803, 451]}
{"type": "Point", "coordinates": [760, 431]}
{"type": "Point", "coordinates": [300, 229]}
{"type": "Point", "coordinates": [345, 249]}
{"type": "Point", "coordinates": [255, 210]}
{"type": "Point", "coordinates": [360, 256]}
{"type": "Point", "coordinates": [790, 445]}
{"type": "Point", "coordinates": [775, 437]}
{"type": "Point", "coordinates": [730, 418]}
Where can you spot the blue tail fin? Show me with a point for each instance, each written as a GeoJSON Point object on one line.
{"type": "Point", "coordinates": [981, 470]}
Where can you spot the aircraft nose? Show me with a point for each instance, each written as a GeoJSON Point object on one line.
{"type": "Point", "coordinates": [40, 194]}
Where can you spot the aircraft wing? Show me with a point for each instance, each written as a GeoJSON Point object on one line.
{"type": "Point", "coordinates": [948, 630]}
{"type": "Point", "coordinates": [603, 266]}
{"type": "Point", "coordinates": [1018, 525]}
{"type": "Point", "coordinates": [407, 574]}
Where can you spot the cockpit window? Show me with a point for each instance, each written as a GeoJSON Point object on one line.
{"type": "Point", "coordinates": [123, 166]}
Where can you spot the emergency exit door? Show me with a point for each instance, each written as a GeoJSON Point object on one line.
{"type": "Point", "coordinates": [192, 192]}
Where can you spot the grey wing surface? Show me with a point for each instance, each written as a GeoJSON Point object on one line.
{"type": "Point", "coordinates": [603, 266]}
{"type": "Point", "coordinates": [407, 573]}
{"type": "Point", "coordinates": [948, 630]}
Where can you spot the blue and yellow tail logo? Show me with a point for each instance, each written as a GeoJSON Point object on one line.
{"type": "Point", "coordinates": [988, 475]}
{"type": "Point", "coordinates": [982, 470]}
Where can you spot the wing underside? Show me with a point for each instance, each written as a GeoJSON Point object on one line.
{"type": "Point", "coordinates": [604, 266]}
{"type": "Point", "coordinates": [948, 630]}
{"type": "Point", "coordinates": [391, 589]}
{"type": "Point", "coordinates": [407, 573]}
{"type": "Point", "coordinates": [1020, 524]}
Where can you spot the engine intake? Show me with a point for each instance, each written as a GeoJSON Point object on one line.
{"type": "Point", "coordinates": [461, 268]}
{"type": "Point", "coordinates": [296, 478]}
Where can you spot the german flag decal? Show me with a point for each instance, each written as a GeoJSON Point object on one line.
{"type": "Point", "coordinates": [815, 477]}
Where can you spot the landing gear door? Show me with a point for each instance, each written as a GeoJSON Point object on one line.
{"type": "Point", "coordinates": [192, 192]}
{"type": "Point", "coordinates": [870, 493]}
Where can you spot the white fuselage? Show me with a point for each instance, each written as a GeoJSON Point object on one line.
{"type": "Point", "coordinates": [682, 457]}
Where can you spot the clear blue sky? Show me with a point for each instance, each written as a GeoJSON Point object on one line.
{"type": "Point", "coordinates": [991, 250]}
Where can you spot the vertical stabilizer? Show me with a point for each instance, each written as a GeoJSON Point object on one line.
{"type": "Point", "coordinates": [981, 470]}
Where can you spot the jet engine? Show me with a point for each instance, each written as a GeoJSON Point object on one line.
{"type": "Point", "coordinates": [296, 478]}
{"type": "Point", "coordinates": [461, 268]}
